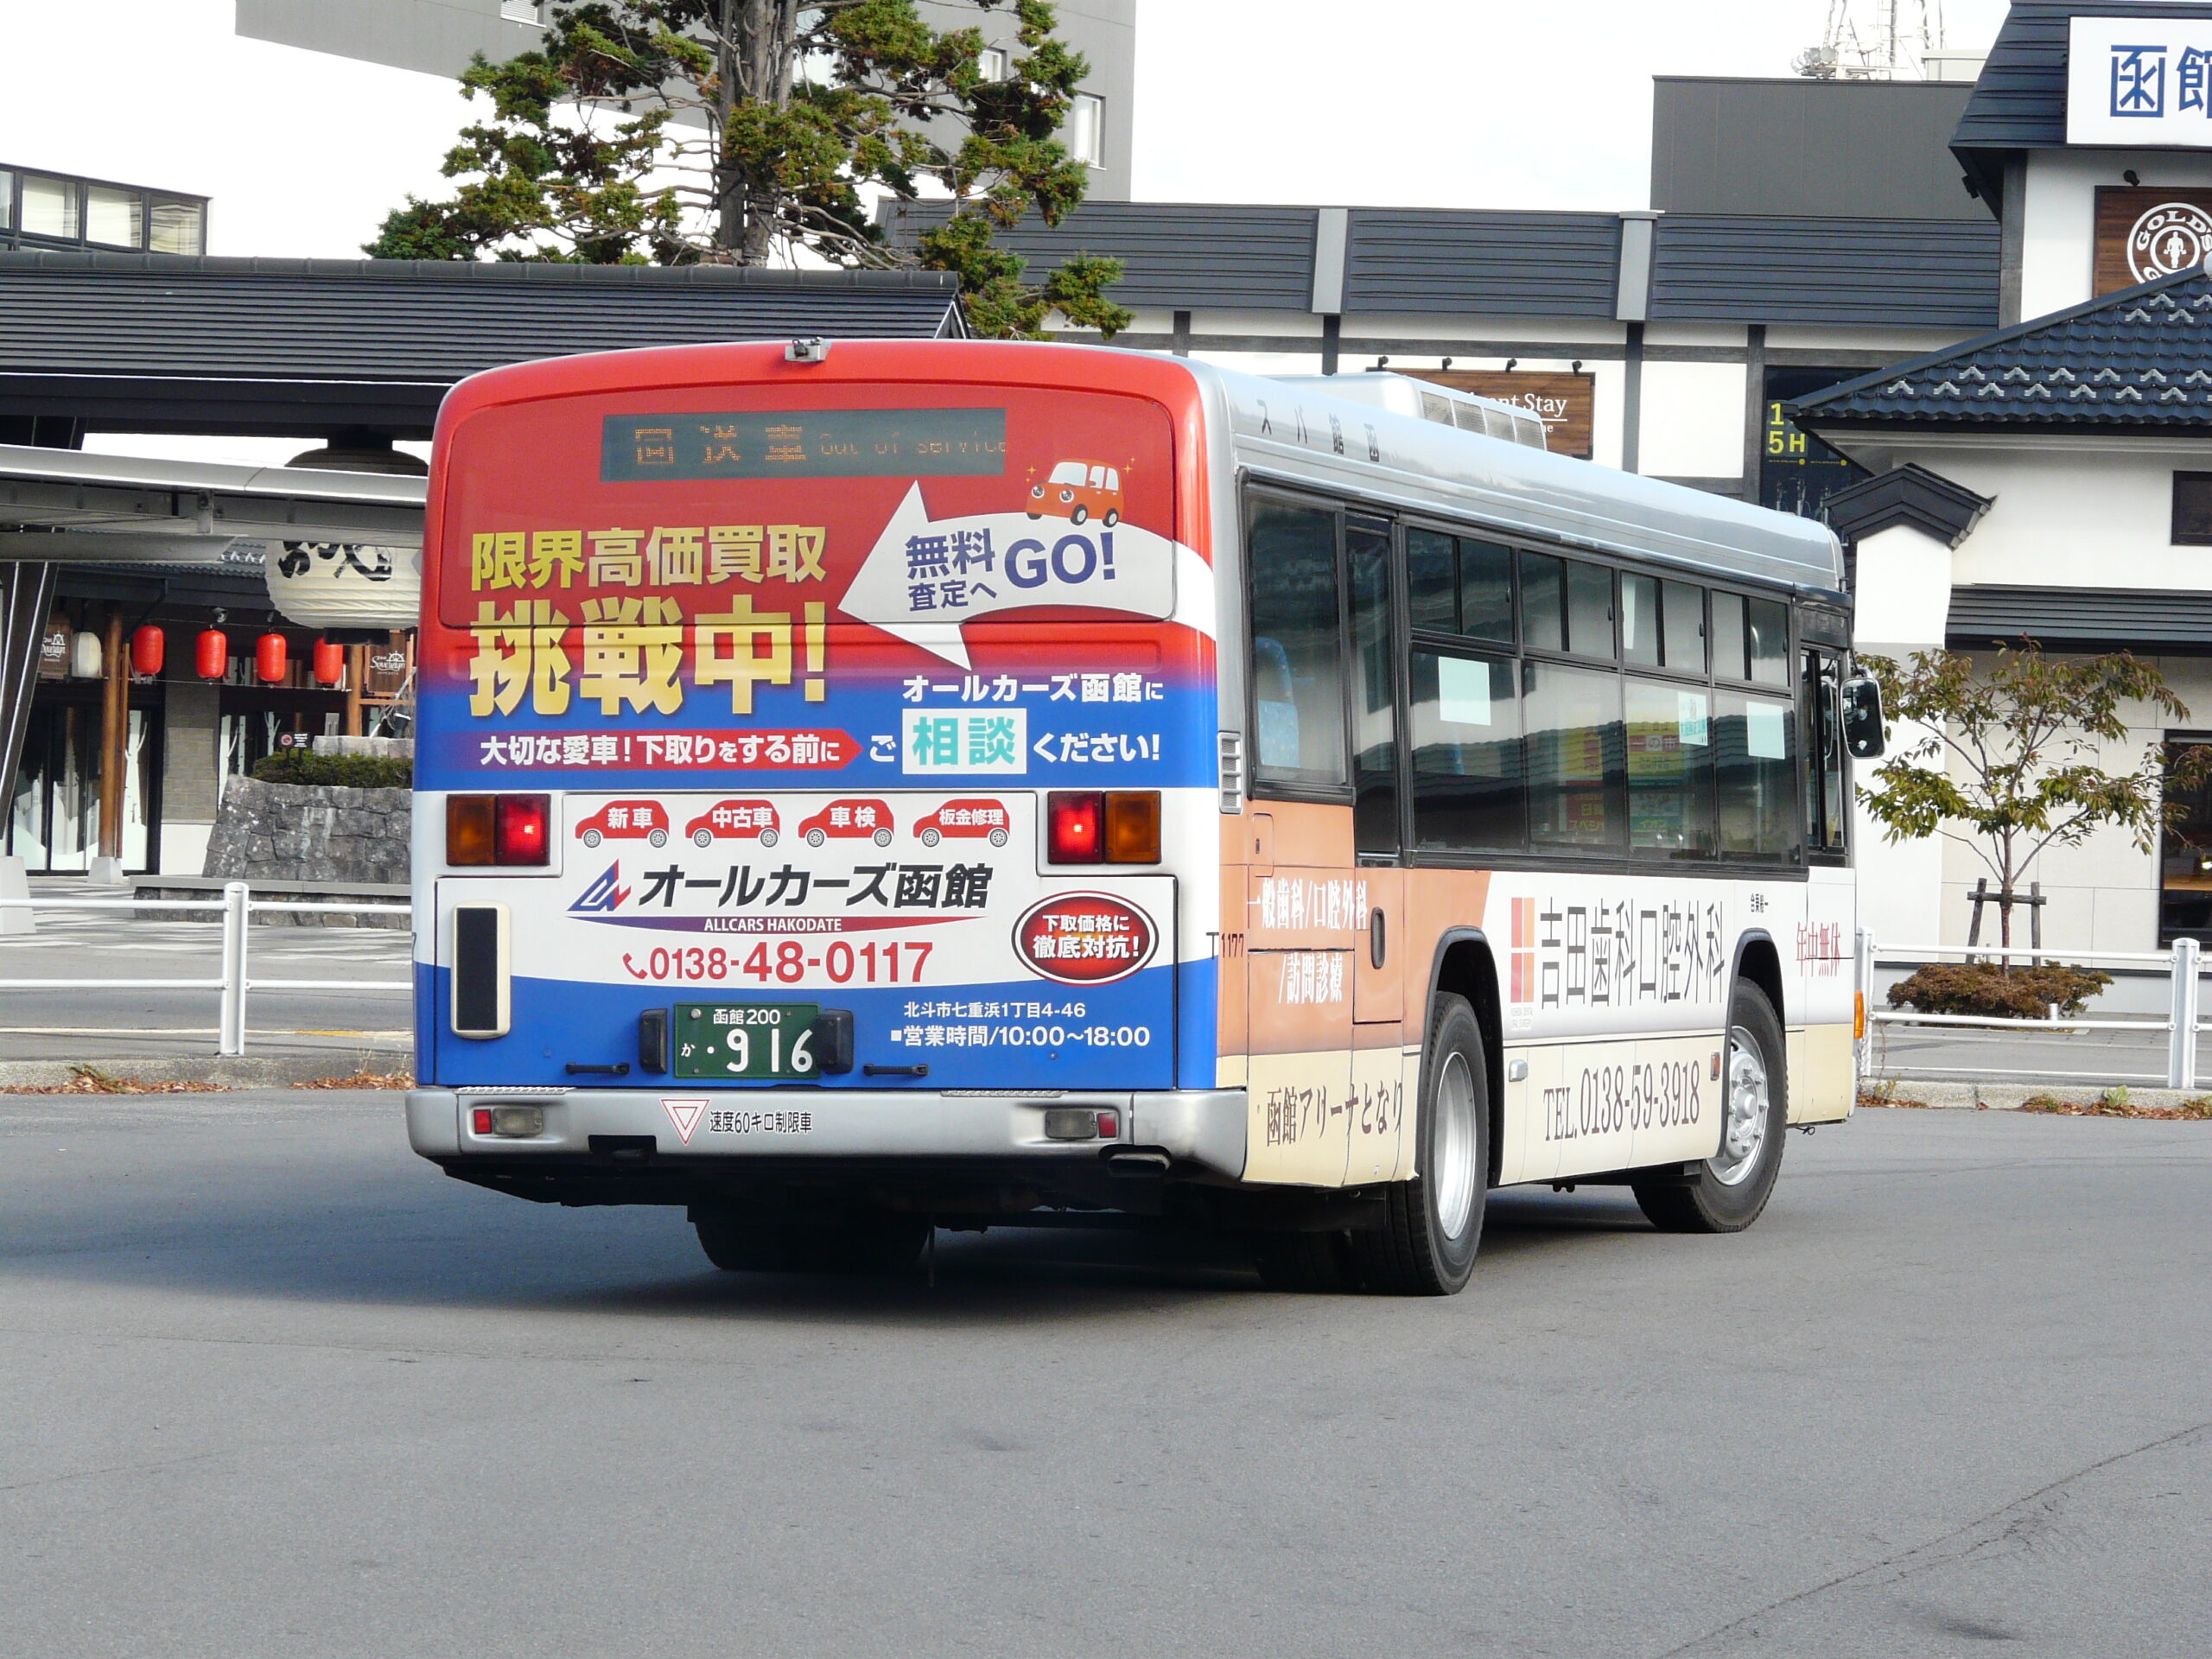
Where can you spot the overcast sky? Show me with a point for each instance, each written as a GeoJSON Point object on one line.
{"type": "Point", "coordinates": [1435, 103]}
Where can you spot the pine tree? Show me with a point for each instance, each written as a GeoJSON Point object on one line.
{"type": "Point", "coordinates": [745, 131]}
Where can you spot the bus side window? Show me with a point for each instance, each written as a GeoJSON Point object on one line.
{"type": "Point", "coordinates": [1298, 657]}
{"type": "Point", "coordinates": [1375, 690]}
{"type": "Point", "coordinates": [1755, 757]}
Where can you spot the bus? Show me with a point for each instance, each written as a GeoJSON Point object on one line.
{"type": "Point", "coordinates": [864, 787]}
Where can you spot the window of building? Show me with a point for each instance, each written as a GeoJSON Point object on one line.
{"type": "Point", "coordinates": [116, 218]}
{"type": "Point", "coordinates": [2192, 510]}
{"type": "Point", "coordinates": [1086, 132]}
{"type": "Point", "coordinates": [50, 206]}
{"type": "Point", "coordinates": [2185, 856]}
{"type": "Point", "coordinates": [7, 200]}
{"type": "Point", "coordinates": [1298, 656]}
{"type": "Point", "coordinates": [992, 63]}
{"type": "Point", "coordinates": [523, 11]}
{"type": "Point", "coordinates": [176, 227]}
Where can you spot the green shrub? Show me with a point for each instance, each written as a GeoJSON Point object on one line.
{"type": "Point", "coordinates": [345, 771]}
{"type": "Point", "coordinates": [1985, 988]}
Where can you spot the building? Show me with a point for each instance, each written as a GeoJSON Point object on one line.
{"type": "Point", "coordinates": [2052, 479]}
{"type": "Point", "coordinates": [438, 37]}
{"type": "Point", "coordinates": [342, 358]}
{"type": "Point", "coordinates": [1662, 340]}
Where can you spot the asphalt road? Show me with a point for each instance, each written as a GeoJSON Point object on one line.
{"type": "Point", "coordinates": [274, 1388]}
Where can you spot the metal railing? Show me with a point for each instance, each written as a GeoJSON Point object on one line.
{"type": "Point", "coordinates": [2182, 1024]}
{"type": "Point", "coordinates": [236, 908]}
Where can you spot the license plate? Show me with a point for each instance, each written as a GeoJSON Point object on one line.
{"type": "Point", "coordinates": [746, 1041]}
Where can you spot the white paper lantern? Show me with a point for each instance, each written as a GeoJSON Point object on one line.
{"type": "Point", "coordinates": [345, 584]}
{"type": "Point", "coordinates": [84, 655]}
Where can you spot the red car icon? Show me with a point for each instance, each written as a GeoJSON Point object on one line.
{"type": "Point", "coordinates": [959, 819]}
{"type": "Point", "coordinates": [625, 821]}
{"type": "Point", "coordinates": [733, 821]}
{"type": "Point", "coordinates": [851, 821]}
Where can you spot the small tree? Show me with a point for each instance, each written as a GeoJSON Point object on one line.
{"type": "Point", "coordinates": [681, 132]}
{"type": "Point", "coordinates": [2010, 756]}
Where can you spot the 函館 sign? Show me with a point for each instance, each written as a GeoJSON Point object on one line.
{"type": "Point", "coordinates": [2144, 83]}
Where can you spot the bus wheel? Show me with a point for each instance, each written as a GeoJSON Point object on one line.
{"type": "Point", "coordinates": [1732, 1186]}
{"type": "Point", "coordinates": [1304, 1261]}
{"type": "Point", "coordinates": [866, 1244]}
{"type": "Point", "coordinates": [1432, 1223]}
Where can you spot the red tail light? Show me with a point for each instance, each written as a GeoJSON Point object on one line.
{"type": "Point", "coordinates": [521, 838]}
{"type": "Point", "coordinates": [1076, 828]}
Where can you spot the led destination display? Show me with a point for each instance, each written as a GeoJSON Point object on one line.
{"type": "Point", "coordinates": [805, 443]}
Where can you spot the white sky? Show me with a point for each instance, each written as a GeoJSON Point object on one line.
{"type": "Point", "coordinates": [1530, 104]}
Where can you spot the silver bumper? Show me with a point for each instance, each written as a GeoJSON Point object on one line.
{"type": "Point", "coordinates": [1200, 1126]}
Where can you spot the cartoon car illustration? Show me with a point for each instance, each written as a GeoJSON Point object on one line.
{"type": "Point", "coordinates": [625, 821]}
{"type": "Point", "coordinates": [1078, 490]}
{"type": "Point", "coordinates": [733, 821]}
{"type": "Point", "coordinates": [851, 821]}
{"type": "Point", "coordinates": [964, 819]}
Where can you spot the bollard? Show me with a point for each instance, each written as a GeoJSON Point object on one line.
{"type": "Point", "coordinates": [2181, 1050]}
{"type": "Point", "coordinates": [231, 1039]}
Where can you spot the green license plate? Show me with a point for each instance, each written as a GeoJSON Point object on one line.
{"type": "Point", "coordinates": [746, 1041]}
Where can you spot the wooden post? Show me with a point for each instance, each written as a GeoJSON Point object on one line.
{"type": "Point", "coordinates": [357, 665]}
{"type": "Point", "coordinates": [115, 726]}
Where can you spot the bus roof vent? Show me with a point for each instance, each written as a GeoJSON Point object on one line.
{"type": "Point", "coordinates": [1426, 401]}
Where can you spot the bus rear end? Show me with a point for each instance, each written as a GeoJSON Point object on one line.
{"type": "Point", "coordinates": [816, 820]}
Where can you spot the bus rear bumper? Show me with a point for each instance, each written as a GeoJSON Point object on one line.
{"type": "Point", "coordinates": [1204, 1128]}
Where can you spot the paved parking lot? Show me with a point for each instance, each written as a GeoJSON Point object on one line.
{"type": "Point", "coordinates": [276, 1387]}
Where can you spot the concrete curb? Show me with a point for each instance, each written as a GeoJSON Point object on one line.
{"type": "Point", "coordinates": [2008, 1096]}
{"type": "Point", "coordinates": [276, 1072]}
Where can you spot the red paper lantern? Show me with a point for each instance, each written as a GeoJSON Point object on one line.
{"type": "Point", "coordinates": [270, 658]}
{"type": "Point", "coordinates": [329, 662]}
{"type": "Point", "coordinates": [147, 648]}
{"type": "Point", "coordinates": [213, 655]}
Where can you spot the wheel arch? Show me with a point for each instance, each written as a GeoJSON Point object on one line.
{"type": "Point", "coordinates": [1758, 959]}
{"type": "Point", "coordinates": [1463, 965]}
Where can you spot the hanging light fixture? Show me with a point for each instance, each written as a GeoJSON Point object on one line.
{"type": "Point", "coordinates": [271, 658]}
{"type": "Point", "coordinates": [84, 662]}
{"type": "Point", "coordinates": [148, 649]}
{"type": "Point", "coordinates": [329, 662]}
{"type": "Point", "coordinates": [212, 655]}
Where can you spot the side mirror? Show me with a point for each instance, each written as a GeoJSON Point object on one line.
{"type": "Point", "coordinates": [1863, 732]}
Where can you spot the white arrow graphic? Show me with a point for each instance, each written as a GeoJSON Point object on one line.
{"type": "Point", "coordinates": [926, 576]}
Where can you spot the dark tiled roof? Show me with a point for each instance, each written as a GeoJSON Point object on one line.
{"type": "Point", "coordinates": [1731, 268]}
{"type": "Point", "coordinates": [1904, 495]}
{"type": "Point", "coordinates": [2140, 358]}
{"type": "Point", "coordinates": [2019, 99]}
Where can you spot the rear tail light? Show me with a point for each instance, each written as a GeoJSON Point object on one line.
{"type": "Point", "coordinates": [1133, 827]}
{"type": "Point", "coordinates": [1077, 832]}
{"type": "Point", "coordinates": [1084, 827]}
{"type": "Point", "coordinates": [520, 837]}
{"type": "Point", "coordinates": [516, 1122]}
{"type": "Point", "coordinates": [498, 830]}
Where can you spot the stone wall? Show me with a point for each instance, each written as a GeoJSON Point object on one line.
{"type": "Point", "coordinates": [310, 832]}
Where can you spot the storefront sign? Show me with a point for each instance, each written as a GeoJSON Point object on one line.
{"type": "Point", "coordinates": [345, 584]}
{"type": "Point", "coordinates": [1566, 402]}
{"type": "Point", "coordinates": [2143, 234]}
{"type": "Point", "coordinates": [2144, 83]}
{"type": "Point", "coordinates": [53, 649]}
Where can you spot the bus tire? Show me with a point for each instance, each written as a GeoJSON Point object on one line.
{"type": "Point", "coordinates": [872, 1244]}
{"type": "Point", "coordinates": [1433, 1223]}
{"type": "Point", "coordinates": [1732, 1186]}
{"type": "Point", "coordinates": [1316, 1263]}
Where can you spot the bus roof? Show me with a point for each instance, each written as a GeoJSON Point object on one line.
{"type": "Point", "coordinates": [1297, 432]}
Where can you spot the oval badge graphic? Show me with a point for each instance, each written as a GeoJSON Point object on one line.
{"type": "Point", "coordinates": [1085, 938]}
